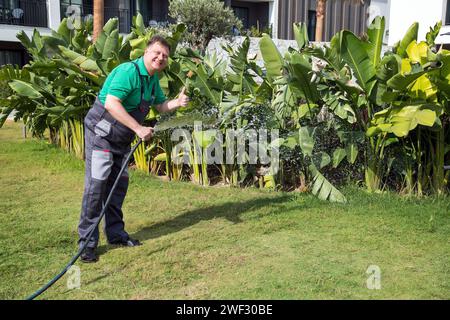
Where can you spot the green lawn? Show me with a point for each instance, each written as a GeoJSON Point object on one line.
{"type": "Point", "coordinates": [214, 243]}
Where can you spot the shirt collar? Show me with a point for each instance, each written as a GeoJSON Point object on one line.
{"type": "Point", "coordinates": [142, 68]}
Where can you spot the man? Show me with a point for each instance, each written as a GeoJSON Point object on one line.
{"type": "Point", "coordinates": [110, 126]}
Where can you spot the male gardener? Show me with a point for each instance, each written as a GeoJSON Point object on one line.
{"type": "Point", "coordinates": [110, 126]}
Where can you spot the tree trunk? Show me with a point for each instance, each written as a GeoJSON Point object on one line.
{"type": "Point", "coordinates": [99, 18]}
{"type": "Point", "coordinates": [320, 12]}
{"type": "Point", "coordinates": [321, 8]}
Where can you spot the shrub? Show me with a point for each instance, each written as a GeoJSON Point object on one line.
{"type": "Point", "coordinates": [205, 19]}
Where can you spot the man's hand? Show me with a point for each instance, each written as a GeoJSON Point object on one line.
{"type": "Point", "coordinates": [174, 104]}
{"type": "Point", "coordinates": [145, 133]}
{"type": "Point", "coordinates": [183, 99]}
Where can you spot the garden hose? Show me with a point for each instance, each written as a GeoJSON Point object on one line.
{"type": "Point", "coordinates": [80, 251]}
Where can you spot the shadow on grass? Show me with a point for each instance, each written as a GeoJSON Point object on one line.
{"type": "Point", "coordinates": [229, 210]}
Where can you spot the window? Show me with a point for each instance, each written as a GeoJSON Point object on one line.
{"type": "Point", "coordinates": [11, 57]}
{"type": "Point", "coordinates": [312, 18]}
{"type": "Point", "coordinates": [242, 14]}
{"type": "Point", "coordinates": [447, 13]}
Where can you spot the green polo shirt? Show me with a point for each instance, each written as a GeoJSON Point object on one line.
{"type": "Point", "coordinates": [124, 83]}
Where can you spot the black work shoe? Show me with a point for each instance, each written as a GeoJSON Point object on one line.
{"type": "Point", "coordinates": [127, 243]}
{"type": "Point", "coordinates": [89, 255]}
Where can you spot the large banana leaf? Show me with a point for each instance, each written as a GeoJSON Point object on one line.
{"type": "Point", "coordinates": [409, 117]}
{"type": "Point", "coordinates": [283, 101]}
{"type": "Point", "coordinates": [301, 35]}
{"type": "Point", "coordinates": [338, 155]}
{"type": "Point", "coordinates": [25, 89]}
{"type": "Point", "coordinates": [306, 140]}
{"type": "Point", "coordinates": [271, 56]}
{"type": "Point", "coordinates": [402, 81]}
{"type": "Point", "coordinates": [300, 78]}
{"type": "Point", "coordinates": [185, 120]}
{"type": "Point", "coordinates": [241, 79]}
{"type": "Point", "coordinates": [388, 67]}
{"type": "Point", "coordinates": [410, 36]}
{"type": "Point", "coordinates": [111, 45]}
{"type": "Point", "coordinates": [83, 62]}
{"type": "Point", "coordinates": [26, 42]}
{"type": "Point", "coordinates": [424, 89]}
{"type": "Point", "coordinates": [95, 78]}
{"type": "Point", "coordinates": [323, 189]}
{"type": "Point", "coordinates": [321, 159]}
{"type": "Point", "coordinates": [124, 52]}
{"type": "Point", "coordinates": [417, 52]}
{"type": "Point", "coordinates": [138, 25]}
{"type": "Point", "coordinates": [206, 84]}
{"type": "Point", "coordinates": [355, 55]}
{"type": "Point", "coordinates": [110, 27]}
{"type": "Point", "coordinates": [35, 45]}
{"type": "Point", "coordinates": [401, 120]}
{"type": "Point", "coordinates": [376, 35]}
{"type": "Point", "coordinates": [433, 33]}
{"type": "Point", "coordinates": [352, 152]}
{"type": "Point", "coordinates": [64, 32]}
{"type": "Point", "coordinates": [176, 37]}
{"type": "Point", "coordinates": [332, 54]}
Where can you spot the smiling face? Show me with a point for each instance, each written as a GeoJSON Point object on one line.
{"type": "Point", "coordinates": [155, 57]}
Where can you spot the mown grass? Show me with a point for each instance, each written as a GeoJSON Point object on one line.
{"type": "Point", "coordinates": [215, 243]}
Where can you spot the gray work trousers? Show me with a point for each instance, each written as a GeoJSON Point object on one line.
{"type": "Point", "coordinates": [103, 161]}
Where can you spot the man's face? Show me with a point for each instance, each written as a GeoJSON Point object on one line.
{"type": "Point", "coordinates": [156, 57]}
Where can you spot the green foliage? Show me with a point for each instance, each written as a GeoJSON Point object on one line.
{"type": "Point", "coordinates": [205, 19]}
{"type": "Point", "coordinates": [344, 111]}
{"type": "Point", "coordinates": [388, 97]}
{"type": "Point", "coordinates": [257, 32]}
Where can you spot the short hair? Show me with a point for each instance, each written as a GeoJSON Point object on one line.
{"type": "Point", "coordinates": [160, 40]}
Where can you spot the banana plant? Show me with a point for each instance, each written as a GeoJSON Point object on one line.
{"type": "Point", "coordinates": [140, 157]}
{"type": "Point", "coordinates": [357, 74]}
{"type": "Point", "coordinates": [294, 97]}
{"type": "Point", "coordinates": [203, 139]}
{"type": "Point", "coordinates": [315, 161]}
{"type": "Point", "coordinates": [419, 106]}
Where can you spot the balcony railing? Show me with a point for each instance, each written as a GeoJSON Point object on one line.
{"type": "Point", "coordinates": [31, 13]}
{"type": "Point", "coordinates": [156, 20]}
{"type": "Point", "coordinates": [109, 12]}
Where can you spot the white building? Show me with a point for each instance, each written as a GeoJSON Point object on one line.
{"type": "Point", "coordinates": [401, 14]}
{"type": "Point", "coordinates": [44, 15]}
{"type": "Point", "coordinates": [24, 15]}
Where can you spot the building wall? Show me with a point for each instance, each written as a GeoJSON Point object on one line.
{"type": "Point", "coordinates": [273, 17]}
{"type": "Point", "coordinates": [159, 10]}
{"type": "Point", "coordinates": [258, 12]}
{"type": "Point", "coordinates": [340, 15]}
{"type": "Point", "coordinates": [444, 36]}
{"type": "Point", "coordinates": [427, 13]}
{"type": "Point", "coordinates": [380, 8]}
{"type": "Point", "coordinates": [13, 53]}
{"type": "Point", "coordinates": [8, 32]}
